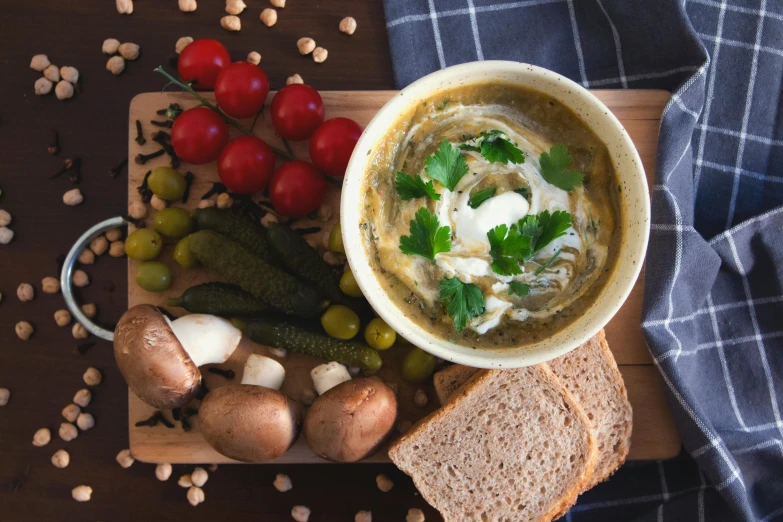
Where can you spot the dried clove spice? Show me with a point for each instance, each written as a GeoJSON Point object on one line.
{"type": "Point", "coordinates": [141, 159]}
{"type": "Point", "coordinates": [140, 139]}
{"type": "Point", "coordinates": [151, 421]}
{"type": "Point", "coordinates": [176, 413]}
{"type": "Point", "coordinates": [82, 348]}
{"type": "Point", "coordinates": [66, 166]}
{"type": "Point", "coordinates": [165, 124]}
{"type": "Point", "coordinates": [117, 169]}
{"type": "Point", "coordinates": [203, 391]}
{"type": "Point", "coordinates": [163, 420]}
{"type": "Point", "coordinates": [307, 230]}
{"type": "Point", "coordinates": [138, 223]}
{"type": "Point", "coordinates": [185, 423]}
{"type": "Point", "coordinates": [226, 374]}
{"type": "Point", "coordinates": [217, 188]}
{"type": "Point", "coordinates": [54, 145]}
{"type": "Point", "coordinates": [76, 171]}
{"type": "Point", "coordinates": [189, 177]}
{"type": "Point", "coordinates": [171, 112]}
{"type": "Point", "coordinates": [164, 140]}
{"type": "Point", "coordinates": [144, 189]}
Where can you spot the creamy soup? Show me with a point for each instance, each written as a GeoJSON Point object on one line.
{"type": "Point", "coordinates": [489, 212]}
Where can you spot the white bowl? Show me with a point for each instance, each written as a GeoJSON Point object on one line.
{"type": "Point", "coordinates": [634, 220]}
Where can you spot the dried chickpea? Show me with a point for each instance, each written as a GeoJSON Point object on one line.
{"type": "Point", "coordinates": [414, 515]}
{"type": "Point", "coordinates": [63, 91]}
{"type": "Point", "coordinates": [129, 51]}
{"type": "Point", "coordinates": [278, 3]}
{"type": "Point", "coordinates": [79, 332]}
{"type": "Point", "coordinates": [269, 17]}
{"type": "Point", "coordinates": [99, 245]}
{"type": "Point", "coordinates": [40, 62]}
{"type": "Point", "coordinates": [114, 234]}
{"type": "Point", "coordinates": [254, 57]}
{"type": "Point", "coordinates": [87, 257]}
{"type": "Point", "coordinates": [68, 431]}
{"type": "Point", "coordinates": [182, 43]}
{"type": "Point", "coordinates": [69, 74]}
{"type": "Point", "coordinates": [43, 86]}
{"type": "Point", "coordinates": [71, 412]}
{"type": "Point", "coordinates": [305, 45]}
{"type": "Point", "coordinates": [235, 7]}
{"type": "Point", "coordinates": [348, 25]}
{"type": "Point", "coordinates": [62, 317]}
{"type": "Point", "coordinates": [231, 23]}
{"type": "Point", "coordinates": [110, 46]}
{"type": "Point", "coordinates": [195, 496]}
{"type": "Point", "coordinates": [80, 278]}
{"type": "Point", "coordinates": [294, 79]}
{"type": "Point", "coordinates": [24, 330]}
{"type": "Point", "coordinates": [125, 459]}
{"type": "Point", "coordinates": [224, 201]}
{"type": "Point", "coordinates": [52, 73]}
{"type": "Point", "coordinates": [83, 493]}
{"type": "Point", "coordinates": [117, 249]}
{"type": "Point", "coordinates": [90, 310]}
{"type": "Point", "coordinates": [61, 459]}
{"type": "Point", "coordinates": [320, 54]}
{"type": "Point", "coordinates": [187, 6]}
{"type": "Point", "coordinates": [384, 483]}
{"type": "Point", "coordinates": [50, 285]}
{"type": "Point", "coordinates": [92, 377]}
{"type": "Point", "coordinates": [163, 471]}
{"type": "Point", "coordinates": [74, 196]}
{"type": "Point", "coordinates": [124, 6]}
{"type": "Point", "coordinates": [82, 398]}
{"type": "Point", "coordinates": [42, 437]}
{"type": "Point", "coordinates": [283, 483]}
{"type": "Point", "coordinates": [158, 203]}
{"type": "Point", "coordinates": [115, 65]}
{"type": "Point", "coordinates": [137, 210]}
{"type": "Point", "coordinates": [25, 292]}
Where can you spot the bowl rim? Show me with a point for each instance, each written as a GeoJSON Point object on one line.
{"type": "Point", "coordinates": [357, 255]}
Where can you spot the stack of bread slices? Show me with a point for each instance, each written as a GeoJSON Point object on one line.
{"type": "Point", "coordinates": [521, 444]}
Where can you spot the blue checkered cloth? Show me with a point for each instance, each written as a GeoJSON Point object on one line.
{"type": "Point", "coordinates": [713, 314]}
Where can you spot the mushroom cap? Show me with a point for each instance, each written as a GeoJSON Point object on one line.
{"type": "Point", "coordinates": [150, 357]}
{"type": "Point", "coordinates": [350, 421]}
{"type": "Point", "coordinates": [249, 423]}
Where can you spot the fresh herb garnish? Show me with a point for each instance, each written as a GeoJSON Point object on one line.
{"type": "Point", "coordinates": [464, 301]}
{"type": "Point", "coordinates": [522, 191]}
{"type": "Point", "coordinates": [412, 187]}
{"type": "Point", "coordinates": [553, 167]}
{"type": "Point", "coordinates": [548, 263]}
{"type": "Point", "coordinates": [481, 196]}
{"type": "Point", "coordinates": [447, 165]}
{"type": "Point", "coordinates": [553, 226]}
{"type": "Point", "coordinates": [508, 247]}
{"type": "Point", "coordinates": [442, 106]}
{"type": "Point", "coordinates": [427, 237]}
{"type": "Point", "coordinates": [518, 288]}
{"type": "Point", "coordinates": [497, 148]}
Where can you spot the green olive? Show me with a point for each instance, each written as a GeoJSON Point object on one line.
{"type": "Point", "coordinates": [182, 254]}
{"type": "Point", "coordinates": [153, 276]}
{"type": "Point", "coordinates": [167, 183]}
{"type": "Point", "coordinates": [340, 322]}
{"type": "Point", "coordinates": [143, 244]}
{"type": "Point", "coordinates": [336, 239]}
{"type": "Point", "coordinates": [349, 286]}
{"type": "Point", "coordinates": [379, 335]}
{"type": "Point", "coordinates": [417, 365]}
{"type": "Point", "coordinates": [173, 222]}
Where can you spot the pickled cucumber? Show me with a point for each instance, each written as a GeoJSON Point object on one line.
{"type": "Point", "coordinates": [240, 228]}
{"type": "Point", "coordinates": [219, 299]}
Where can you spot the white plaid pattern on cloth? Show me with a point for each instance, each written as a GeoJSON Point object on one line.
{"type": "Point", "coordinates": [713, 314]}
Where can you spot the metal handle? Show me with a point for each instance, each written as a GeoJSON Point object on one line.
{"type": "Point", "coordinates": [67, 273]}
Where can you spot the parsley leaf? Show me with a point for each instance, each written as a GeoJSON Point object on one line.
{"type": "Point", "coordinates": [412, 187]}
{"type": "Point", "coordinates": [427, 237]}
{"type": "Point", "coordinates": [522, 191]}
{"type": "Point", "coordinates": [447, 165]}
{"type": "Point", "coordinates": [442, 106]}
{"type": "Point", "coordinates": [518, 288]}
{"type": "Point", "coordinates": [472, 148]}
{"type": "Point", "coordinates": [507, 247]}
{"type": "Point", "coordinates": [464, 301]}
{"type": "Point", "coordinates": [496, 148]}
{"type": "Point", "coordinates": [548, 263]}
{"type": "Point", "coordinates": [553, 226]}
{"type": "Point", "coordinates": [553, 167]}
{"type": "Point", "coordinates": [481, 196]}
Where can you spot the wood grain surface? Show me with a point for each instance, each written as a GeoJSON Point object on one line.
{"type": "Point", "coordinates": [43, 373]}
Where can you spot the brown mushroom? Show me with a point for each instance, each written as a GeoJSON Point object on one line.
{"type": "Point", "coordinates": [160, 358]}
{"type": "Point", "coordinates": [350, 421]}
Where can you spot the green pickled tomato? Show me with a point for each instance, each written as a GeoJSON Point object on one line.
{"type": "Point", "coordinates": [340, 322]}
{"type": "Point", "coordinates": [153, 276]}
{"type": "Point", "coordinates": [379, 335]}
{"type": "Point", "coordinates": [167, 183]}
{"type": "Point", "coordinates": [336, 239]}
{"type": "Point", "coordinates": [182, 254]}
{"type": "Point", "coordinates": [349, 286]}
{"type": "Point", "coordinates": [417, 365]}
{"type": "Point", "coordinates": [143, 244]}
{"type": "Point", "coordinates": [173, 222]}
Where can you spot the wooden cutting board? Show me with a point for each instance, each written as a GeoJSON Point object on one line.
{"type": "Point", "coordinates": [654, 434]}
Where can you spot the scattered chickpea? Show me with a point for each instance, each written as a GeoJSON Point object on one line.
{"type": "Point", "coordinates": [404, 426]}
{"type": "Point", "coordinates": [182, 43]}
{"type": "Point", "coordinates": [283, 483]}
{"type": "Point", "coordinates": [420, 398]}
{"type": "Point", "coordinates": [5, 396]}
{"type": "Point", "coordinates": [363, 516]}
{"type": "Point", "coordinates": [199, 477]}
{"type": "Point", "coordinates": [158, 203]}
{"type": "Point", "coordinates": [195, 496]}
{"type": "Point", "coordinates": [69, 74]}
{"type": "Point", "coordinates": [80, 278]}
{"type": "Point", "coordinates": [254, 57]}
{"type": "Point", "coordinates": [43, 86]}
{"type": "Point", "coordinates": [187, 6]}
{"type": "Point", "coordinates": [268, 218]}
{"type": "Point", "coordinates": [71, 412]}
{"type": "Point", "coordinates": [79, 332]}
{"type": "Point", "coordinates": [269, 17]}
{"type": "Point", "coordinates": [320, 54]}
{"type": "Point", "coordinates": [300, 513]}
{"type": "Point", "coordinates": [24, 330]}
{"type": "Point", "coordinates": [40, 62]}
{"type": "Point", "coordinates": [110, 46]}
{"type": "Point", "coordinates": [117, 249]}
{"type": "Point", "coordinates": [87, 257]}
{"type": "Point", "coordinates": [92, 377]}
{"type": "Point", "coordinates": [85, 421]}
{"type": "Point", "coordinates": [25, 292]}
{"type": "Point", "coordinates": [206, 203]}
{"type": "Point", "coordinates": [348, 25]}
{"type": "Point", "coordinates": [115, 65]}
{"type": "Point", "coordinates": [278, 3]}
{"type": "Point", "coordinates": [235, 7]}
{"type": "Point", "coordinates": [231, 23]}
{"type": "Point", "coordinates": [42, 437]}
{"type": "Point", "coordinates": [129, 51]}
{"type": "Point", "coordinates": [74, 196]}
{"type": "Point", "coordinates": [83, 397]}
{"type": "Point", "coordinates": [68, 431]}
{"type": "Point", "coordinates": [414, 515]}
{"type": "Point", "coordinates": [224, 201]}
{"type": "Point", "coordinates": [114, 234]}
{"type": "Point", "coordinates": [61, 459]}
{"type": "Point", "coordinates": [305, 45]}
{"type": "Point", "coordinates": [124, 6]}
{"type": "Point", "coordinates": [137, 210]}
{"type": "Point", "coordinates": [163, 471]}
{"type": "Point", "coordinates": [63, 90]}
{"type": "Point", "coordinates": [6, 235]}
{"type": "Point", "coordinates": [125, 459]}
{"type": "Point", "coordinates": [50, 285]}
{"type": "Point", "coordinates": [212, 468]}
{"type": "Point", "coordinates": [62, 317]}
{"type": "Point", "coordinates": [308, 396]}
{"type": "Point", "coordinates": [384, 483]}
{"type": "Point", "coordinates": [5, 218]}
{"type": "Point", "coordinates": [83, 493]}
{"type": "Point", "coordinates": [52, 73]}
{"type": "Point", "coordinates": [184, 481]}
{"type": "Point", "coordinates": [324, 212]}
{"type": "Point", "coordinates": [90, 310]}
{"type": "Point", "coordinates": [279, 352]}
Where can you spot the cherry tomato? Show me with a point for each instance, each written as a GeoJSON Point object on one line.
{"type": "Point", "coordinates": [297, 188]}
{"type": "Point", "coordinates": [198, 135]}
{"type": "Point", "coordinates": [246, 164]}
{"type": "Point", "coordinates": [297, 110]}
{"type": "Point", "coordinates": [241, 89]}
{"type": "Point", "coordinates": [332, 144]}
{"type": "Point", "coordinates": [201, 61]}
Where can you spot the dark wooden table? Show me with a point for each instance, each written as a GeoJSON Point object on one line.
{"type": "Point", "coordinates": [43, 373]}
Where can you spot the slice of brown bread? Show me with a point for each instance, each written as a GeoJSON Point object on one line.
{"type": "Point", "coordinates": [591, 375]}
{"type": "Point", "coordinates": [510, 445]}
